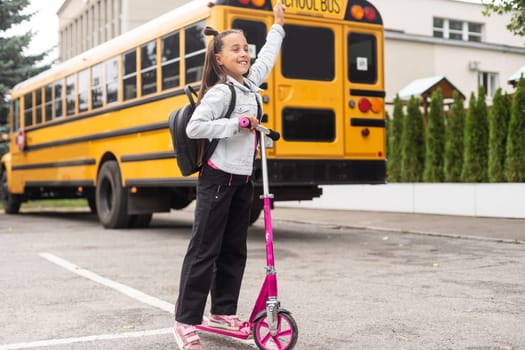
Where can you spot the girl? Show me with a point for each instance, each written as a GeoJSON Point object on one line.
{"type": "Point", "coordinates": [216, 255]}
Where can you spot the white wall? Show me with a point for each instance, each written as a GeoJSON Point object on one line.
{"type": "Point", "coordinates": [470, 199]}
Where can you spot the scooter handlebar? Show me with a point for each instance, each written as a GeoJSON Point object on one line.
{"type": "Point", "coordinates": [274, 135]}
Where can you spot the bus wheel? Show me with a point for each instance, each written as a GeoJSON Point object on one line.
{"type": "Point", "coordinates": [139, 221]}
{"type": "Point", "coordinates": [111, 198]}
{"type": "Point", "coordinates": [11, 202]}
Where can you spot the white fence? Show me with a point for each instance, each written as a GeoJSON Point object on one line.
{"type": "Point", "coordinates": [468, 199]}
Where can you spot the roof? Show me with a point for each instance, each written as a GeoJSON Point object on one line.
{"type": "Point", "coordinates": [516, 76]}
{"type": "Point", "coordinates": [426, 86]}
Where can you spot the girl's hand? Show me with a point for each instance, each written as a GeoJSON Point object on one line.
{"type": "Point", "coordinates": [278, 12]}
{"type": "Point", "coordinates": [248, 122]}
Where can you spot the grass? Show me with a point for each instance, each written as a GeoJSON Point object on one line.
{"type": "Point", "coordinates": [54, 203]}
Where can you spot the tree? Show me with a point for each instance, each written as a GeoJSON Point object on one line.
{"type": "Point", "coordinates": [394, 146]}
{"type": "Point", "coordinates": [475, 160]}
{"type": "Point", "coordinates": [515, 7]}
{"type": "Point", "coordinates": [413, 143]}
{"type": "Point", "coordinates": [454, 136]}
{"type": "Point", "coordinates": [515, 157]}
{"type": "Point", "coordinates": [499, 116]}
{"type": "Point", "coordinates": [14, 65]}
{"type": "Point", "coordinates": [435, 140]}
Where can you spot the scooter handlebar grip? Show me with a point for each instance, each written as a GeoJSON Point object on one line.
{"type": "Point", "coordinates": [274, 135]}
{"type": "Point", "coordinates": [244, 122]}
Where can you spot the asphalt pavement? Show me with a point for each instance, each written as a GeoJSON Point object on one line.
{"type": "Point", "coordinates": [481, 228]}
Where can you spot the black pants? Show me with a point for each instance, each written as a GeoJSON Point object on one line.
{"type": "Point", "coordinates": [216, 255]}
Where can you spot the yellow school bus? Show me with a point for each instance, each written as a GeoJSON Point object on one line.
{"type": "Point", "coordinates": [95, 126]}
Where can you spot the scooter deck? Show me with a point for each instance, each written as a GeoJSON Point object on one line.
{"type": "Point", "coordinates": [231, 333]}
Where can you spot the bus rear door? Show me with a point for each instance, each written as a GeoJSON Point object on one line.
{"type": "Point", "coordinates": [309, 91]}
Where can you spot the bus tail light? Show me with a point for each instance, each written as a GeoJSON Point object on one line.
{"type": "Point", "coordinates": [357, 12]}
{"type": "Point", "coordinates": [364, 105]}
{"type": "Point", "coordinates": [370, 14]}
{"type": "Point", "coordinates": [377, 105]}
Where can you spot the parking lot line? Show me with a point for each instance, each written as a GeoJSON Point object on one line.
{"type": "Point", "coordinates": [54, 342]}
{"type": "Point", "coordinates": [131, 292]}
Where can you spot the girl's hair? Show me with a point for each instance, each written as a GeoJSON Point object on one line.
{"type": "Point", "coordinates": [212, 72]}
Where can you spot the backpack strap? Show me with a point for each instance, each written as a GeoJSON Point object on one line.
{"type": "Point", "coordinates": [231, 107]}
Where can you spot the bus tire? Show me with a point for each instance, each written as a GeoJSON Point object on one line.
{"type": "Point", "coordinates": [111, 197]}
{"type": "Point", "coordinates": [11, 202]}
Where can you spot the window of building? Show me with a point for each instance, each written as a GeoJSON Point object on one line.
{"type": "Point", "coordinates": [48, 98]}
{"type": "Point", "coordinates": [58, 87]}
{"type": "Point", "coordinates": [97, 86]}
{"type": "Point", "coordinates": [130, 74]}
{"type": "Point", "coordinates": [320, 52]}
{"type": "Point", "coordinates": [70, 95]}
{"type": "Point", "coordinates": [38, 106]}
{"type": "Point", "coordinates": [112, 82]}
{"type": "Point", "coordinates": [148, 67]}
{"type": "Point", "coordinates": [28, 109]}
{"type": "Point", "coordinates": [83, 90]}
{"type": "Point", "coordinates": [489, 82]}
{"type": "Point", "coordinates": [457, 30]}
{"type": "Point", "coordinates": [194, 51]}
{"type": "Point", "coordinates": [171, 61]}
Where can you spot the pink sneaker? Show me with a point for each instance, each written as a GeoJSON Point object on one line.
{"type": "Point", "coordinates": [229, 322]}
{"type": "Point", "coordinates": [186, 337]}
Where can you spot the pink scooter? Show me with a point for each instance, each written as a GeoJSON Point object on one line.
{"type": "Point", "coordinates": [273, 328]}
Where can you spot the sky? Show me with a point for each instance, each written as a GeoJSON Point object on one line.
{"type": "Point", "coordinates": [44, 25]}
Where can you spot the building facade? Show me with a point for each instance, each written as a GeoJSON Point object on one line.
{"type": "Point", "coordinates": [84, 24]}
{"type": "Point", "coordinates": [423, 38]}
{"type": "Point", "coordinates": [450, 38]}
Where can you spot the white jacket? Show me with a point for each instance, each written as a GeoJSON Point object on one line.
{"type": "Point", "coordinates": [235, 151]}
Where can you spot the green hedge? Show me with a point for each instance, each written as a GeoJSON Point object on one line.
{"type": "Point", "coordinates": [476, 145]}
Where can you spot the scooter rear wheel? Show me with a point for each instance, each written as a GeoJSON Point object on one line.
{"type": "Point", "coordinates": [284, 339]}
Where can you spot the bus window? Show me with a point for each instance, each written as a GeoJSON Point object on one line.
{"type": "Point", "coordinates": [362, 58]}
{"type": "Point", "coordinates": [320, 51]}
{"type": "Point", "coordinates": [96, 86]}
{"type": "Point", "coordinates": [317, 125]}
{"type": "Point", "coordinates": [194, 51]}
{"type": "Point", "coordinates": [38, 106]}
{"type": "Point", "coordinates": [48, 98]}
{"type": "Point", "coordinates": [70, 95]}
{"type": "Point", "coordinates": [170, 61]}
{"type": "Point", "coordinates": [16, 115]}
{"type": "Point", "coordinates": [255, 33]}
{"type": "Point", "coordinates": [148, 67]}
{"type": "Point", "coordinates": [112, 83]}
{"type": "Point", "coordinates": [83, 90]}
{"type": "Point", "coordinates": [130, 75]}
{"type": "Point", "coordinates": [58, 99]}
{"type": "Point", "coordinates": [28, 109]}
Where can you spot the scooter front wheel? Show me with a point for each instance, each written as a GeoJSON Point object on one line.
{"type": "Point", "coordinates": [285, 337]}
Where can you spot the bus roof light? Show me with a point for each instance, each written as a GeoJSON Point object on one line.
{"type": "Point", "coordinates": [370, 14]}
{"type": "Point", "coordinates": [357, 12]}
{"type": "Point", "coordinates": [258, 3]}
{"type": "Point", "coordinates": [244, 2]}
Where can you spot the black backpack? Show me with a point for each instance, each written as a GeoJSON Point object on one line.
{"type": "Point", "coordinates": [191, 154]}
